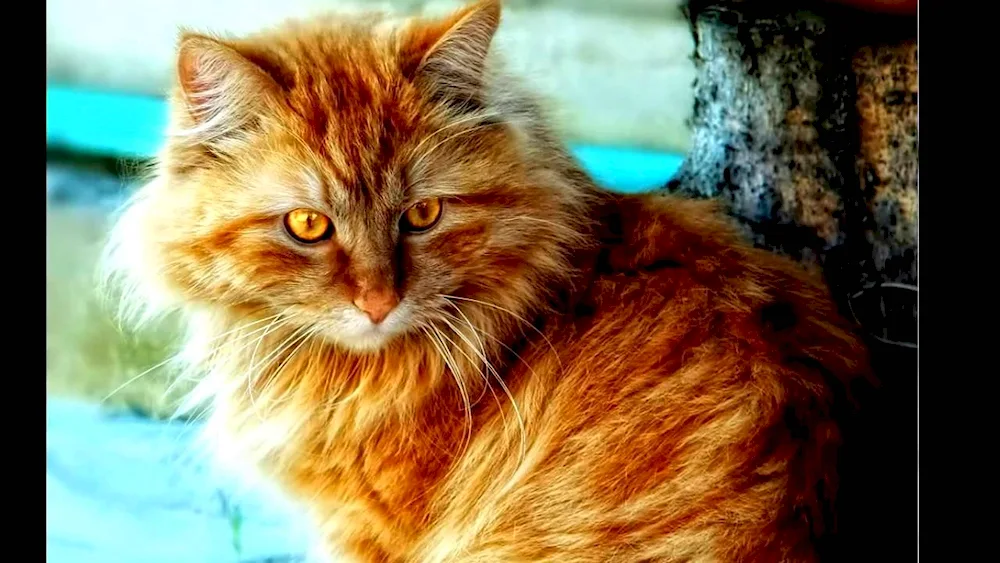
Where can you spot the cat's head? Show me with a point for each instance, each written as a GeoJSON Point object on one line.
{"type": "Point", "coordinates": [349, 174]}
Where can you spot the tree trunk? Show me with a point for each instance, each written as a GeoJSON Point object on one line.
{"type": "Point", "coordinates": [805, 125]}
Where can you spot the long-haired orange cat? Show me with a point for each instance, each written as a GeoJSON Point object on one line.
{"type": "Point", "coordinates": [417, 314]}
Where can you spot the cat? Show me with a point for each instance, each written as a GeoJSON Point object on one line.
{"type": "Point", "coordinates": [411, 309]}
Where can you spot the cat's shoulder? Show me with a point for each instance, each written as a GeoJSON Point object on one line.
{"type": "Point", "coordinates": [672, 266]}
{"type": "Point", "coordinates": [693, 245]}
{"type": "Point", "coordinates": [648, 232]}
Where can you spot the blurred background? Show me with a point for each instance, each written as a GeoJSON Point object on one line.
{"type": "Point", "coordinates": [126, 484]}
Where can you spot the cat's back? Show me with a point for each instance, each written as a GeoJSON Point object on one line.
{"type": "Point", "coordinates": [686, 410]}
{"type": "Point", "coordinates": [675, 279]}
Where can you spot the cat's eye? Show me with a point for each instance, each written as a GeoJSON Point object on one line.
{"type": "Point", "coordinates": [308, 226]}
{"type": "Point", "coordinates": [422, 216]}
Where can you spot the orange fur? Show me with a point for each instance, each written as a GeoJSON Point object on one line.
{"type": "Point", "coordinates": [571, 376]}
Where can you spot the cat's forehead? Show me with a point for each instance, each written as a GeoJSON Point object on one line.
{"type": "Point", "coordinates": [293, 178]}
{"type": "Point", "coordinates": [349, 104]}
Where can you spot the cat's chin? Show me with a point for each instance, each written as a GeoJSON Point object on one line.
{"type": "Point", "coordinates": [357, 333]}
{"type": "Point", "coordinates": [369, 343]}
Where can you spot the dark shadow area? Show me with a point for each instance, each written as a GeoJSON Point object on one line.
{"type": "Point", "coordinates": [805, 126]}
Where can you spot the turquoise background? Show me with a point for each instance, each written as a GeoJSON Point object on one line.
{"type": "Point", "coordinates": [130, 126]}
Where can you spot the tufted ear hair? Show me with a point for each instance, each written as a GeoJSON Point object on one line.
{"type": "Point", "coordinates": [220, 91]}
{"type": "Point", "coordinates": [447, 57]}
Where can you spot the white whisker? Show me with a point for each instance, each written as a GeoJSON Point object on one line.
{"type": "Point", "coordinates": [306, 337]}
{"type": "Point", "coordinates": [503, 386]}
{"type": "Point", "coordinates": [472, 361]}
{"type": "Point", "coordinates": [420, 159]}
{"type": "Point", "coordinates": [434, 336]}
{"type": "Point", "coordinates": [244, 326]}
{"type": "Point", "coordinates": [490, 370]}
{"type": "Point", "coordinates": [449, 125]}
{"type": "Point", "coordinates": [516, 316]}
{"type": "Point", "coordinates": [136, 378]}
{"type": "Point", "coordinates": [253, 355]}
{"type": "Point", "coordinates": [168, 360]}
{"type": "Point", "coordinates": [254, 369]}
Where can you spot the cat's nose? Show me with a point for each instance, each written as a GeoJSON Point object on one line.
{"type": "Point", "coordinates": [376, 303]}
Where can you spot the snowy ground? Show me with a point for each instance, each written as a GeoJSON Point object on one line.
{"type": "Point", "coordinates": [126, 489]}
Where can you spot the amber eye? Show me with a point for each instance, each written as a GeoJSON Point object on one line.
{"type": "Point", "coordinates": [421, 216]}
{"type": "Point", "coordinates": [308, 226]}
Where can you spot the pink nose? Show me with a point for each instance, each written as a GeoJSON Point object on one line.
{"type": "Point", "coordinates": [376, 303]}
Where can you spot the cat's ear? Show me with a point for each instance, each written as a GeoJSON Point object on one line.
{"type": "Point", "coordinates": [221, 91]}
{"type": "Point", "coordinates": [450, 54]}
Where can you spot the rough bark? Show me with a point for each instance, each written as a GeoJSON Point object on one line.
{"type": "Point", "coordinates": [805, 125]}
